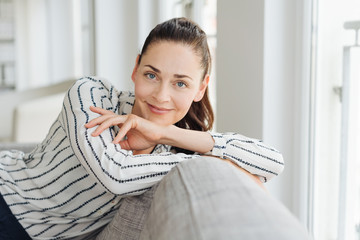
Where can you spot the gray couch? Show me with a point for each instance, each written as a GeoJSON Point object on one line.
{"type": "Point", "coordinates": [199, 199]}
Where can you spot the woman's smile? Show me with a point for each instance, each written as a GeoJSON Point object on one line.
{"type": "Point", "coordinates": [158, 110]}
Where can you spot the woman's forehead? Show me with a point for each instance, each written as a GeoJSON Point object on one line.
{"type": "Point", "coordinates": [168, 51]}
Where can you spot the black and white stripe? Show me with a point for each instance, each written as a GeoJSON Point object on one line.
{"type": "Point", "coordinates": [73, 183]}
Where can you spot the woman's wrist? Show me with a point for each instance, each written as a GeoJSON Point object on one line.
{"type": "Point", "coordinates": [197, 141]}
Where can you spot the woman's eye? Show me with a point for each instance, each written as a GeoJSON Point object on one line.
{"type": "Point", "coordinates": [151, 76]}
{"type": "Point", "coordinates": [181, 84]}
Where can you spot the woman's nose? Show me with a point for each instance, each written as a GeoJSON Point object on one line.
{"type": "Point", "coordinates": [162, 94]}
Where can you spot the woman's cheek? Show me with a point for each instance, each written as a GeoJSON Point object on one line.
{"type": "Point", "coordinates": [142, 90]}
{"type": "Point", "coordinates": [184, 101]}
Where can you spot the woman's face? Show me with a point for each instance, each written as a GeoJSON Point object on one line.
{"type": "Point", "coordinates": [167, 81]}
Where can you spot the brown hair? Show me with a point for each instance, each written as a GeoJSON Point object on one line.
{"type": "Point", "coordinates": [181, 30]}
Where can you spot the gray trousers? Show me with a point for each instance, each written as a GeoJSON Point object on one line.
{"type": "Point", "coordinates": [205, 198]}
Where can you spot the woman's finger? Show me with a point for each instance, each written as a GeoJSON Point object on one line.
{"type": "Point", "coordinates": [126, 126]}
{"type": "Point", "coordinates": [100, 110]}
{"type": "Point", "coordinates": [97, 121]}
{"type": "Point", "coordinates": [111, 121]}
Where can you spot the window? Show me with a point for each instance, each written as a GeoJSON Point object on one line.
{"type": "Point", "coordinates": [349, 181]}
{"type": "Point", "coordinates": [337, 132]}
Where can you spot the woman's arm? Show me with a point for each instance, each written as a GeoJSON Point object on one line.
{"type": "Point", "coordinates": [249, 154]}
{"type": "Point", "coordinates": [196, 141]}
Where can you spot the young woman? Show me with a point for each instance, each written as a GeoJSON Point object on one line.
{"type": "Point", "coordinates": [107, 145]}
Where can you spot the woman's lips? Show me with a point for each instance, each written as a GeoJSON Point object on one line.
{"type": "Point", "coordinates": [158, 110]}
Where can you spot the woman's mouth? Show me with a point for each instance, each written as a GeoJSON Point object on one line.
{"type": "Point", "coordinates": [158, 110]}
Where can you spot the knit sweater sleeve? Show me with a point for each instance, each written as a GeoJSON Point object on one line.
{"type": "Point", "coordinates": [116, 169]}
{"type": "Point", "coordinates": [248, 153]}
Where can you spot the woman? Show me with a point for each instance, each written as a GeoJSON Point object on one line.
{"type": "Point", "coordinates": [107, 145]}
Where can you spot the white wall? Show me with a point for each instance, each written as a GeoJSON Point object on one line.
{"type": "Point", "coordinates": [240, 54]}
{"type": "Point", "coordinates": [263, 86]}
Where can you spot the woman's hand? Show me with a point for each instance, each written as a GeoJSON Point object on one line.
{"type": "Point", "coordinates": [140, 133]}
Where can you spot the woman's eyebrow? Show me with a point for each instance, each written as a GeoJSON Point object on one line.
{"type": "Point", "coordinates": [182, 76]}
{"type": "Point", "coordinates": [153, 68]}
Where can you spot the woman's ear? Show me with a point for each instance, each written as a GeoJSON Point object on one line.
{"type": "Point", "coordinates": [135, 68]}
{"type": "Point", "coordinates": [203, 85]}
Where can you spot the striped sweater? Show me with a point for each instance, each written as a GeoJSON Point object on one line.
{"type": "Point", "coordinates": [73, 183]}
